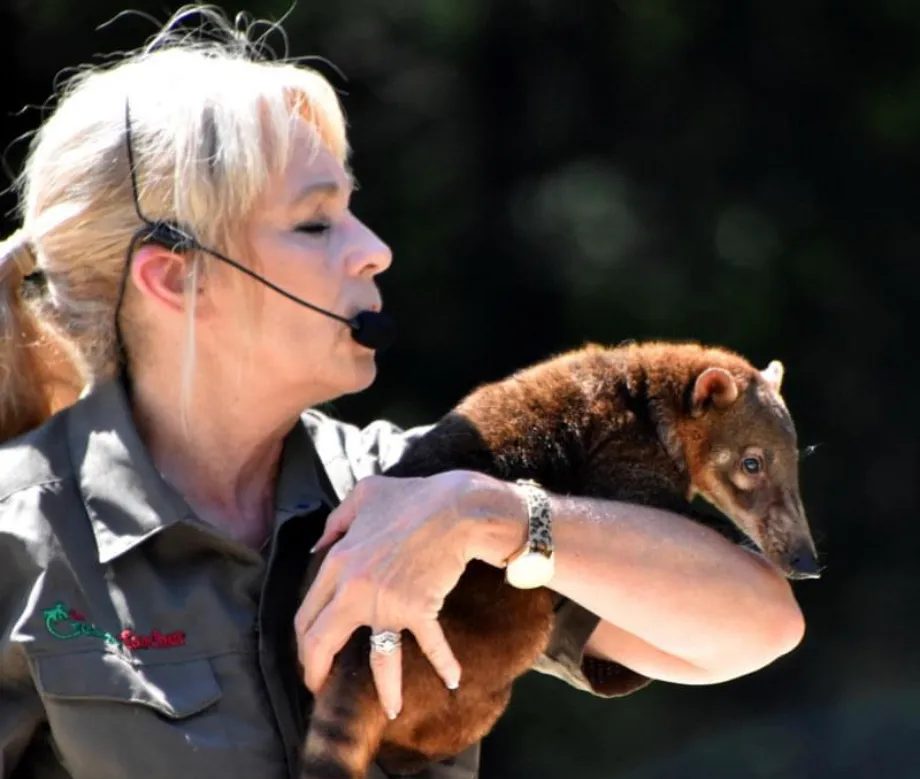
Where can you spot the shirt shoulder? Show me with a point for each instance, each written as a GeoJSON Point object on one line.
{"type": "Point", "coordinates": [34, 472]}
{"type": "Point", "coordinates": [36, 486]}
{"type": "Point", "coordinates": [36, 458]}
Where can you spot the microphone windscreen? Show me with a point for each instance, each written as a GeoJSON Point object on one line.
{"type": "Point", "coordinates": [374, 329]}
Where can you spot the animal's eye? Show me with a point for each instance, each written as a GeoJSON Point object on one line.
{"type": "Point", "coordinates": [751, 465]}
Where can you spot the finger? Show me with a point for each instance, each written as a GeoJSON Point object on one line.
{"type": "Point", "coordinates": [342, 517]}
{"type": "Point", "coordinates": [387, 673]}
{"type": "Point", "coordinates": [318, 647]}
{"type": "Point", "coordinates": [433, 643]}
{"type": "Point", "coordinates": [337, 523]}
{"type": "Point", "coordinates": [318, 596]}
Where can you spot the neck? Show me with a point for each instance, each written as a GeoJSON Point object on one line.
{"type": "Point", "coordinates": [224, 458]}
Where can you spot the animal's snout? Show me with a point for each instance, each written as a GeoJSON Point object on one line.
{"type": "Point", "coordinates": [802, 563]}
{"type": "Point", "coordinates": [795, 552]}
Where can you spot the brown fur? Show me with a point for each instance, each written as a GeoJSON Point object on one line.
{"type": "Point", "coordinates": [654, 424]}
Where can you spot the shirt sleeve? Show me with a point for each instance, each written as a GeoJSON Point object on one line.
{"type": "Point", "coordinates": [350, 453]}
{"type": "Point", "coordinates": [21, 712]}
{"type": "Point", "coordinates": [565, 658]}
{"type": "Point", "coordinates": [22, 715]}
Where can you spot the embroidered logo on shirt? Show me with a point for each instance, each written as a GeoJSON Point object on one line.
{"type": "Point", "coordinates": [156, 640]}
{"type": "Point", "coordinates": [64, 623]}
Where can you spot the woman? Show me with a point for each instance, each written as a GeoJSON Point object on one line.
{"type": "Point", "coordinates": [154, 531]}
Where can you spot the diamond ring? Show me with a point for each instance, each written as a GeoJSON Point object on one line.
{"type": "Point", "coordinates": [386, 641]}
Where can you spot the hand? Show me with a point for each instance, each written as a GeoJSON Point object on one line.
{"type": "Point", "coordinates": [403, 545]}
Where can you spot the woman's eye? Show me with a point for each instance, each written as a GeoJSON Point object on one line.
{"type": "Point", "coordinates": [313, 228]}
{"type": "Point", "coordinates": [751, 465]}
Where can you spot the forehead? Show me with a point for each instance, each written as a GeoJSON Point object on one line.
{"type": "Point", "coordinates": [773, 403]}
{"type": "Point", "coordinates": [309, 170]}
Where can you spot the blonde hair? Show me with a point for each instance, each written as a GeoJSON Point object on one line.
{"type": "Point", "coordinates": [211, 123]}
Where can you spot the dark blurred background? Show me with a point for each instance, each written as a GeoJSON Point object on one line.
{"type": "Point", "coordinates": [555, 171]}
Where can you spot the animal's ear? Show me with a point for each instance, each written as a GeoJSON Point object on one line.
{"type": "Point", "coordinates": [716, 386]}
{"type": "Point", "coordinates": [773, 374]}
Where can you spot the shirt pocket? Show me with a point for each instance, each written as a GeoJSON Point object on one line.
{"type": "Point", "coordinates": [112, 718]}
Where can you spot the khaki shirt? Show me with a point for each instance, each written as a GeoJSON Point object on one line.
{"type": "Point", "coordinates": [137, 640]}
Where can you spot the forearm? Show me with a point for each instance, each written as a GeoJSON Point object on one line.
{"type": "Point", "coordinates": [682, 602]}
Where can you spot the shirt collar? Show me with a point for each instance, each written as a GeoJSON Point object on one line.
{"type": "Point", "coordinates": [126, 498]}
{"type": "Point", "coordinates": [301, 484]}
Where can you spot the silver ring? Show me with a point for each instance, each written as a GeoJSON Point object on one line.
{"type": "Point", "coordinates": [386, 641]}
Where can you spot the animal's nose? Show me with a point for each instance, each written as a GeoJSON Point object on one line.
{"type": "Point", "coordinates": [803, 564]}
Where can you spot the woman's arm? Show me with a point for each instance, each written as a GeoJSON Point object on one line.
{"type": "Point", "coordinates": [677, 601]}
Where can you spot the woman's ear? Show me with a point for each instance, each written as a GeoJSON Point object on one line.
{"type": "Point", "coordinates": [163, 277]}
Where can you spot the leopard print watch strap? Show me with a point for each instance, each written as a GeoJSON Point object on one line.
{"type": "Point", "coordinates": [533, 564]}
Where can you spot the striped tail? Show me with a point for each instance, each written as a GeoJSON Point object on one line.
{"type": "Point", "coordinates": [345, 729]}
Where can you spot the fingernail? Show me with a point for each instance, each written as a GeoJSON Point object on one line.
{"type": "Point", "coordinates": [453, 684]}
{"type": "Point", "coordinates": [392, 714]}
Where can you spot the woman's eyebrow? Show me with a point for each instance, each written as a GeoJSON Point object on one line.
{"type": "Point", "coordinates": [326, 188]}
{"type": "Point", "coordinates": [330, 189]}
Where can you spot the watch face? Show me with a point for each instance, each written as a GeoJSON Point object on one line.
{"type": "Point", "coordinates": [530, 570]}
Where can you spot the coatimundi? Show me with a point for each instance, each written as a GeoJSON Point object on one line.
{"type": "Point", "coordinates": [654, 423]}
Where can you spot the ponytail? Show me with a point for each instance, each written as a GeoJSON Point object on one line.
{"type": "Point", "coordinates": [39, 372]}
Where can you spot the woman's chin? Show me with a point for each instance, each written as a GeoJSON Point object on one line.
{"type": "Point", "coordinates": [344, 374]}
{"type": "Point", "coordinates": [365, 371]}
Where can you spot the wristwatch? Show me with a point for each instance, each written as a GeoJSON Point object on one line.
{"type": "Point", "coordinates": [533, 564]}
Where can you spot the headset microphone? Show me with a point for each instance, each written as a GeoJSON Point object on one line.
{"type": "Point", "coordinates": [372, 329]}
